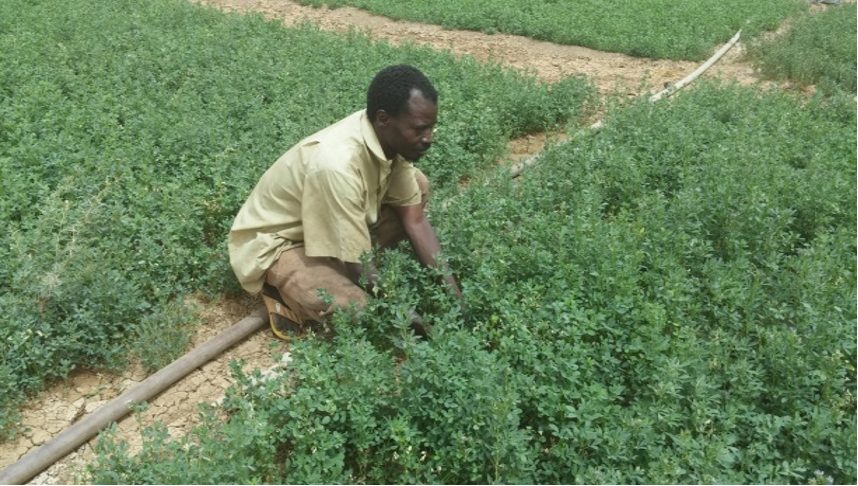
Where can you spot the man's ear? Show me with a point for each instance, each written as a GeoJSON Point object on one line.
{"type": "Point", "coordinates": [382, 118]}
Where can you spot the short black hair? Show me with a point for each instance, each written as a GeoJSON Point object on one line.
{"type": "Point", "coordinates": [390, 89]}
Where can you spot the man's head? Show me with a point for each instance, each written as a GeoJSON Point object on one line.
{"type": "Point", "coordinates": [403, 108]}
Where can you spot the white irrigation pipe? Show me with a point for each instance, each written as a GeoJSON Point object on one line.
{"type": "Point", "coordinates": [517, 169]}
{"type": "Point", "coordinates": [703, 67]}
{"type": "Point", "coordinates": [38, 460]}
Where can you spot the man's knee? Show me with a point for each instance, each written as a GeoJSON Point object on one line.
{"type": "Point", "coordinates": [347, 297]}
{"type": "Point", "coordinates": [313, 287]}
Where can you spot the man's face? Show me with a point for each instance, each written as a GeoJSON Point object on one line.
{"type": "Point", "coordinates": [410, 134]}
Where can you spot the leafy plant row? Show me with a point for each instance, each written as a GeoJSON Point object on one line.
{"type": "Point", "coordinates": [818, 49]}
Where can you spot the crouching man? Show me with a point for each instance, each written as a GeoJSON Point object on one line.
{"type": "Point", "coordinates": [334, 196]}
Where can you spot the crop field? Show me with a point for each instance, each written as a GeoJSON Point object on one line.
{"type": "Point", "coordinates": [816, 51]}
{"type": "Point", "coordinates": [671, 29]}
{"type": "Point", "coordinates": [124, 158]}
{"type": "Point", "coordinates": [661, 302]}
{"type": "Point", "coordinates": [669, 299]}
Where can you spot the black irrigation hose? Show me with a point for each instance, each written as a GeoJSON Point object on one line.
{"type": "Point", "coordinates": [55, 449]}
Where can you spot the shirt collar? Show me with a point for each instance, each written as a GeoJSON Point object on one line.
{"type": "Point", "coordinates": [371, 139]}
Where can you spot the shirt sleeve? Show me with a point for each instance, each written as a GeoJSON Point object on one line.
{"type": "Point", "coordinates": [333, 213]}
{"type": "Point", "coordinates": [403, 189]}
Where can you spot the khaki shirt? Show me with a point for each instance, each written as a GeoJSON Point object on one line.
{"type": "Point", "coordinates": [325, 193]}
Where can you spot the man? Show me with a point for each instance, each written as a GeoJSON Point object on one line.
{"type": "Point", "coordinates": [335, 195]}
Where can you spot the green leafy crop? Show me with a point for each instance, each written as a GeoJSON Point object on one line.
{"type": "Point", "coordinates": [818, 49]}
{"type": "Point", "coordinates": [670, 299]}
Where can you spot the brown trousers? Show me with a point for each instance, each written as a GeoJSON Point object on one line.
{"type": "Point", "coordinates": [299, 278]}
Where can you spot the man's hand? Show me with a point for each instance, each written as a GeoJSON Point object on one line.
{"type": "Point", "coordinates": [425, 241]}
{"type": "Point", "coordinates": [365, 277]}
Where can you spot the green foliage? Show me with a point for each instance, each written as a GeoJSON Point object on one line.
{"type": "Point", "coordinates": [663, 29]}
{"type": "Point", "coordinates": [670, 299]}
{"type": "Point", "coordinates": [163, 332]}
{"type": "Point", "coordinates": [818, 49]}
{"type": "Point", "coordinates": [132, 131]}
{"type": "Point", "coordinates": [242, 449]}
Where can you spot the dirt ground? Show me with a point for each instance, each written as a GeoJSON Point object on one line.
{"type": "Point", "coordinates": [85, 391]}
{"type": "Point", "coordinates": [550, 62]}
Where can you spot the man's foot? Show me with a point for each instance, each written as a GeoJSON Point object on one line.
{"type": "Point", "coordinates": [285, 324]}
{"type": "Point", "coordinates": [284, 328]}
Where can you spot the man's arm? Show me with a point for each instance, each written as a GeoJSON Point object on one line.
{"type": "Point", "coordinates": [369, 275]}
{"type": "Point", "coordinates": [424, 241]}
